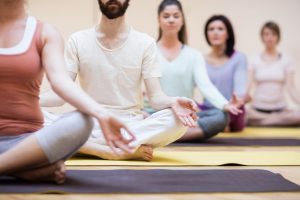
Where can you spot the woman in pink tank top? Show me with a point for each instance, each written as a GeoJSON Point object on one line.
{"type": "Point", "coordinates": [273, 75]}
{"type": "Point", "coordinates": [27, 149]}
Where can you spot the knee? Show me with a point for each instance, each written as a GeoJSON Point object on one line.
{"type": "Point", "coordinates": [221, 120]}
{"type": "Point", "coordinates": [237, 126]}
{"type": "Point", "coordinates": [170, 122]}
{"type": "Point", "coordinates": [84, 125]}
{"type": "Point", "coordinates": [213, 124]}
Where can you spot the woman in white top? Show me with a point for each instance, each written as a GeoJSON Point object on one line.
{"type": "Point", "coordinates": [273, 74]}
{"type": "Point", "coordinates": [183, 68]}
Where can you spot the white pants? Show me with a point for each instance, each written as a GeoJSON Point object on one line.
{"type": "Point", "coordinates": [158, 130]}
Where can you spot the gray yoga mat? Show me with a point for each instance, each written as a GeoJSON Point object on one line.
{"type": "Point", "coordinates": [156, 181]}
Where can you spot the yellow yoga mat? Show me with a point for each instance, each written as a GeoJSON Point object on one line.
{"type": "Point", "coordinates": [195, 158]}
{"type": "Point", "coordinates": [254, 132]}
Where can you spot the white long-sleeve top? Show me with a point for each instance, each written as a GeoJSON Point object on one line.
{"type": "Point", "coordinates": [181, 75]}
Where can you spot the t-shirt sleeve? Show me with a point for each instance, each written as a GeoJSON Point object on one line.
{"type": "Point", "coordinates": [240, 76]}
{"type": "Point", "coordinates": [208, 90]}
{"type": "Point", "coordinates": [71, 56]}
{"type": "Point", "coordinates": [150, 64]}
{"type": "Point", "coordinates": [291, 66]}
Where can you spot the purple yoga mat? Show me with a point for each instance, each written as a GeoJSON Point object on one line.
{"type": "Point", "coordinates": [156, 181]}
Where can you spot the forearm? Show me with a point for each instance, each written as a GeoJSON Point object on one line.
{"type": "Point", "coordinates": [294, 95]}
{"type": "Point", "coordinates": [161, 101]}
{"type": "Point", "coordinates": [207, 88]}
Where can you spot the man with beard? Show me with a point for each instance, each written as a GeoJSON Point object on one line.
{"type": "Point", "coordinates": [111, 60]}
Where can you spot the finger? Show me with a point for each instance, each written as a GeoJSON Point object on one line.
{"type": "Point", "coordinates": [191, 121]}
{"type": "Point", "coordinates": [194, 116]}
{"type": "Point", "coordinates": [120, 144]}
{"type": "Point", "coordinates": [113, 147]}
{"type": "Point", "coordinates": [183, 121]}
{"type": "Point", "coordinates": [132, 136]}
{"type": "Point", "coordinates": [240, 111]}
{"type": "Point", "coordinates": [234, 96]}
{"type": "Point", "coordinates": [236, 111]}
{"type": "Point", "coordinates": [194, 106]}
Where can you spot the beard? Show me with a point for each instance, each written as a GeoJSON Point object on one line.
{"type": "Point", "coordinates": [113, 8]}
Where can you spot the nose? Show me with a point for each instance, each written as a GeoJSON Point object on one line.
{"type": "Point", "coordinates": [171, 20]}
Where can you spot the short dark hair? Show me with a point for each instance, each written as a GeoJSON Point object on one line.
{"type": "Point", "coordinates": [182, 34]}
{"type": "Point", "coordinates": [230, 40]}
{"type": "Point", "coordinates": [274, 27]}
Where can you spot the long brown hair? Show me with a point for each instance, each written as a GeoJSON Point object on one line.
{"type": "Point", "coordinates": [182, 34]}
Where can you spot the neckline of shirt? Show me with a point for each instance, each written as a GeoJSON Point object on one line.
{"type": "Point", "coordinates": [25, 42]}
{"type": "Point", "coordinates": [226, 63]}
{"type": "Point", "coordinates": [275, 62]}
{"type": "Point", "coordinates": [117, 48]}
{"type": "Point", "coordinates": [177, 57]}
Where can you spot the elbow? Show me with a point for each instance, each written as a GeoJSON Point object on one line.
{"type": "Point", "coordinates": [154, 105]}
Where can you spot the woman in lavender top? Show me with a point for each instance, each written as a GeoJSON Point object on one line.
{"type": "Point", "coordinates": [226, 67]}
{"type": "Point", "coordinates": [183, 68]}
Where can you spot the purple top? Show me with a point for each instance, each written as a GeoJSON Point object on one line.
{"type": "Point", "coordinates": [229, 78]}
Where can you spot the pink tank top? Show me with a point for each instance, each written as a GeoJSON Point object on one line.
{"type": "Point", "coordinates": [20, 79]}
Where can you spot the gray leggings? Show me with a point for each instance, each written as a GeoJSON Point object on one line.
{"type": "Point", "coordinates": [59, 140]}
{"type": "Point", "coordinates": [212, 121]}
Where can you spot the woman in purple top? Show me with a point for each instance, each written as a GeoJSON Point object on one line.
{"type": "Point", "coordinates": [227, 68]}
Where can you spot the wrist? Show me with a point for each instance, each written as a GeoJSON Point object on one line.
{"type": "Point", "coordinates": [225, 107]}
{"type": "Point", "coordinates": [100, 113]}
{"type": "Point", "coordinates": [173, 101]}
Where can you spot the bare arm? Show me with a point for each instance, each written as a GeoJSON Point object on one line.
{"type": "Point", "coordinates": [51, 99]}
{"type": "Point", "coordinates": [157, 99]}
{"type": "Point", "coordinates": [184, 108]}
{"type": "Point", "coordinates": [291, 87]}
{"type": "Point", "coordinates": [64, 86]}
{"type": "Point", "coordinates": [250, 85]}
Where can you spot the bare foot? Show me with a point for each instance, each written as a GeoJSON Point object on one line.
{"type": "Point", "coordinates": [226, 129]}
{"type": "Point", "coordinates": [144, 152]}
{"type": "Point", "coordinates": [54, 172]}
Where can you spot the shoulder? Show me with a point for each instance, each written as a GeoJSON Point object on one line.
{"type": "Point", "coordinates": [82, 35]}
{"type": "Point", "coordinates": [50, 35]}
{"type": "Point", "coordinates": [255, 59]}
{"type": "Point", "coordinates": [288, 62]}
{"type": "Point", "coordinates": [193, 53]}
{"type": "Point", "coordinates": [142, 39]}
{"type": "Point", "coordinates": [286, 57]}
{"type": "Point", "coordinates": [239, 56]}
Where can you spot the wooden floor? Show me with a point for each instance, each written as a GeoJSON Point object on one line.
{"type": "Point", "coordinates": [291, 173]}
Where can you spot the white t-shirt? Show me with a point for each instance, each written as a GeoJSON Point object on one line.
{"type": "Point", "coordinates": [113, 77]}
{"type": "Point", "coordinates": [270, 79]}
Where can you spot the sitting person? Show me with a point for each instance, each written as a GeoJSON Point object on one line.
{"type": "Point", "coordinates": [183, 67]}
{"type": "Point", "coordinates": [273, 74]}
{"type": "Point", "coordinates": [28, 48]}
{"type": "Point", "coordinates": [226, 67]}
{"type": "Point", "coordinates": [111, 61]}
